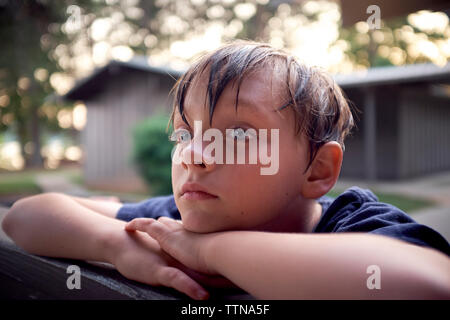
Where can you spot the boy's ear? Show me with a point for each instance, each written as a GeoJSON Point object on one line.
{"type": "Point", "coordinates": [324, 171]}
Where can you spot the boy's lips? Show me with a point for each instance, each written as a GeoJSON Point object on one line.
{"type": "Point", "coordinates": [195, 191]}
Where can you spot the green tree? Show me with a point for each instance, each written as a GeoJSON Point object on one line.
{"type": "Point", "coordinates": [152, 154]}
{"type": "Point", "coordinates": [26, 65]}
{"type": "Point", "coordinates": [402, 40]}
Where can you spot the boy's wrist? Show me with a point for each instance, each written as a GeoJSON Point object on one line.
{"type": "Point", "coordinates": [110, 242]}
{"type": "Point", "coordinates": [209, 252]}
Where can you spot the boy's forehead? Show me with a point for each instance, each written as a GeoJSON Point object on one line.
{"type": "Point", "coordinates": [261, 88]}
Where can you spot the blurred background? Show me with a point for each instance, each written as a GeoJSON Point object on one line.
{"type": "Point", "coordinates": [84, 90]}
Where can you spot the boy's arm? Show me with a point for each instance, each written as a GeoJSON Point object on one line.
{"type": "Point", "coordinates": [306, 266]}
{"type": "Point", "coordinates": [296, 266]}
{"type": "Point", "coordinates": [57, 225]}
{"type": "Point", "coordinates": [104, 207]}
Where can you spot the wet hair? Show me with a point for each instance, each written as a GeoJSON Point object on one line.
{"type": "Point", "coordinates": [321, 111]}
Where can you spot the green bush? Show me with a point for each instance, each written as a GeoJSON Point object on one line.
{"type": "Point", "coordinates": [152, 154]}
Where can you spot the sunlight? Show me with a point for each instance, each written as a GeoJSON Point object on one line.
{"type": "Point", "coordinates": [79, 116]}
{"type": "Point", "coordinates": [53, 153]}
{"type": "Point", "coordinates": [4, 100]}
{"type": "Point", "coordinates": [101, 52]}
{"type": "Point", "coordinates": [73, 153]}
{"type": "Point", "coordinates": [61, 82]}
{"type": "Point", "coordinates": [41, 74]}
{"type": "Point", "coordinates": [100, 28]}
{"type": "Point", "coordinates": [122, 53]}
{"type": "Point", "coordinates": [64, 118]}
{"type": "Point", "coordinates": [10, 156]}
{"type": "Point", "coordinates": [429, 21]}
{"type": "Point", "coordinates": [245, 11]}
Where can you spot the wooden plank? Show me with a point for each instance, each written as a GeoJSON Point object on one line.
{"type": "Point", "coordinates": [26, 276]}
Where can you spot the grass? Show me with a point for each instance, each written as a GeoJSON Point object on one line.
{"type": "Point", "coordinates": [75, 176]}
{"type": "Point", "coordinates": [23, 182]}
{"type": "Point", "coordinates": [405, 203]}
{"type": "Point", "coordinates": [20, 184]}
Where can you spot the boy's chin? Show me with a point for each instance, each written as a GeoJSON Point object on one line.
{"type": "Point", "coordinates": [197, 223]}
{"type": "Point", "coordinates": [199, 227]}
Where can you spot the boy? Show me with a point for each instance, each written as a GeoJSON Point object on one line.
{"type": "Point", "coordinates": [274, 235]}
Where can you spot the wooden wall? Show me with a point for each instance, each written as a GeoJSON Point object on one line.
{"type": "Point", "coordinates": [412, 134]}
{"type": "Point", "coordinates": [424, 133]}
{"type": "Point", "coordinates": [129, 98]}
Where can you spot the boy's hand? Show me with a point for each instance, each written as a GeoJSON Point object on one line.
{"type": "Point", "coordinates": [185, 246]}
{"type": "Point", "coordinates": [139, 257]}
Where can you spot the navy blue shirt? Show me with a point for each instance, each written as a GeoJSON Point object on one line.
{"type": "Point", "coordinates": [355, 210]}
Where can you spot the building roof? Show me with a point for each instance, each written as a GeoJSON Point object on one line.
{"type": "Point", "coordinates": [428, 72]}
{"type": "Point", "coordinates": [87, 87]}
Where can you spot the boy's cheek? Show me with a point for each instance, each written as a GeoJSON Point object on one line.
{"type": "Point", "coordinates": [177, 174]}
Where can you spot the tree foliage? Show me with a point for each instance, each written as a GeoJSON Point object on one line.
{"type": "Point", "coordinates": [152, 154]}
{"type": "Point", "coordinates": [26, 65]}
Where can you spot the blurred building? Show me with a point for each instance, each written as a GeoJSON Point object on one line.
{"type": "Point", "coordinates": [117, 97]}
{"type": "Point", "coordinates": [403, 127]}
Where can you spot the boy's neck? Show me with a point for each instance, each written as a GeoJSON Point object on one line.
{"type": "Point", "coordinates": [299, 218]}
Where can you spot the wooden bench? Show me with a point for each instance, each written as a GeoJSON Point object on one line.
{"type": "Point", "coordinates": [26, 276]}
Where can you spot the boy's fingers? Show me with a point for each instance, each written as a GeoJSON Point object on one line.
{"type": "Point", "coordinates": [136, 223]}
{"type": "Point", "coordinates": [175, 278]}
{"type": "Point", "coordinates": [155, 229]}
{"type": "Point", "coordinates": [170, 223]}
{"type": "Point", "coordinates": [140, 224]}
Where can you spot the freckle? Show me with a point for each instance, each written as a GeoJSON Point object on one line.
{"type": "Point", "coordinates": [242, 213]}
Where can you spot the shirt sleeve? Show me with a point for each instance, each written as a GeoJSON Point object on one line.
{"type": "Point", "coordinates": [360, 211]}
{"type": "Point", "coordinates": [151, 208]}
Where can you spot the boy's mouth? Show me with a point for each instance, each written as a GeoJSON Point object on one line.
{"type": "Point", "coordinates": [194, 191]}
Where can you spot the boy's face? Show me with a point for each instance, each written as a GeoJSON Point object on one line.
{"type": "Point", "coordinates": [242, 198]}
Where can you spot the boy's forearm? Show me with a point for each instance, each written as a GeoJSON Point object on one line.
{"type": "Point", "coordinates": [56, 225]}
{"type": "Point", "coordinates": [106, 208]}
{"type": "Point", "coordinates": [303, 266]}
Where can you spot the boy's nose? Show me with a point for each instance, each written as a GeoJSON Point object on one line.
{"type": "Point", "coordinates": [194, 157]}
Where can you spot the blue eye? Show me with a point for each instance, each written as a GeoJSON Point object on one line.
{"type": "Point", "coordinates": [240, 134]}
{"type": "Point", "coordinates": [180, 136]}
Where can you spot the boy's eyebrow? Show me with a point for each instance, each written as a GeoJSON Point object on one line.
{"type": "Point", "coordinates": [248, 104]}
{"type": "Point", "coordinates": [254, 108]}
